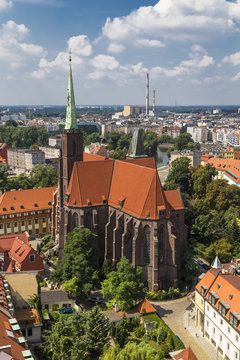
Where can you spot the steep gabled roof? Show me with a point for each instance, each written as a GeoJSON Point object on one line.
{"type": "Point", "coordinates": [90, 183]}
{"type": "Point", "coordinates": [20, 251]}
{"type": "Point", "coordinates": [137, 190]}
{"type": "Point", "coordinates": [93, 157]}
{"type": "Point", "coordinates": [26, 200]}
{"type": "Point", "coordinates": [147, 161]}
{"type": "Point", "coordinates": [174, 199]}
{"type": "Point", "coordinates": [6, 241]}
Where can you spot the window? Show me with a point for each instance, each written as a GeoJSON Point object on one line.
{"type": "Point", "coordinates": [37, 231]}
{"type": "Point", "coordinates": [75, 220]}
{"type": "Point", "coordinates": [207, 308]}
{"type": "Point", "coordinates": [32, 258]}
{"type": "Point", "coordinates": [29, 332]}
{"type": "Point", "coordinates": [146, 247]}
{"type": "Point", "coordinates": [29, 222]}
{"type": "Point", "coordinates": [236, 337]}
{"type": "Point", "coordinates": [44, 220]}
{"type": "Point", "coordinates": [233, 321]}
{"type": "Point", "coordinates": [15, 224]}
{"type": "Point", "coordinates": [36, 221]}
{"type": "Point", "coordinates": [221, 322]}
{"type": "Point", "coordinates": [228, 346]}
{"type": "Point", "coordinates": [220, 338]}
{"type": "Point", "coordinates": [236, 355]}
{"type": "Point", "coordinates": [207, 323]}
{"type": "Point", "coordinates": [214, 314]}
{"type": "Point", "coordinates": [213, 330]}
{"type": "Point", "coordinates": [46, 306]}
{"type": "Point", "coordinates": [222, 309]}
{"type": "Point", "coordinates": [8, 225]}
{"type": "Point", "coordinates": [161, 244]}
{"type": "Point", "coordinates": [1, 226]}
{"type": "Point", "coordinates": [23, 223]}
{"type": "Point", "coordinates": [89, 221]}
{"type": "Point", "coordinates": [229, 329]}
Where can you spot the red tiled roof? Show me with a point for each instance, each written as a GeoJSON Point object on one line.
{"type": "Point", "coordinates": [141, 189]}
{"type": "Point", "coordinates": [25, 200]}
{"type": "Point", "coordinates": [174, 199]}
{"type": "Point", "coordinates": [230, 167]}
{"type": "Point", "coordinates": [93, 157]}
{"type": "Point", "coordinates": [19, 251]}
{"type": "Point", "coordinates": [186, 354]}
{"type": "Point", "coordinates": [147, 162]}
{"type": "Point", "coordinates": [6, 241]}
{"type": "Point", "coordinates": [90, 183]}
{"type": "Point", "coordinates": [146, 307]}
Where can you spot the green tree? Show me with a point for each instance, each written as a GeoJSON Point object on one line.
{"type": "Point", "coordinates": [125, 285]}
{"type": "Point", "coordinates": [179, 175]}
{"type": "Point", "coordinates": [201, 177]}
{"type": "Point", "coordinates": [11, 123]}
{"type": "Point", "coordinates": [233, 236]}
{"type": "Point", "coordinates": [79, 261]}
{"type": "Point", "coordinates": [222, 248]}
{"type": "Point", "coordinates": [220, 195]}
{"type": "Point", "coordinates": [182, 141]}
{"type": "Point", "coordinates": [44, 176]}
{"type": "Point", "coordinates": [4, 177]}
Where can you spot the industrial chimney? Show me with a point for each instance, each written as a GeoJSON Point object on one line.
{"type": "Point", "coordinates": [154, 101]}
{"type": "Point", "coordinates": [147, 94]}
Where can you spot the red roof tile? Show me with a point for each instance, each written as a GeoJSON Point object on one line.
{"type": "Point", "coordinates": [90, 183]}
{"type": "Point", "coordinates": [146, 307]}
{"type": "Point", "coordinates": [147, 162]}
{"type": "Point", "coordinates": [186, 354]}
{"type": "Point", "coordinates": [26, 200]}
{"type": "Point", "coordinates": [174, 199]}
{"type": "Point", "coordinates": [93, 157]}
{"type": "Point", "coordinates": [6, 241]}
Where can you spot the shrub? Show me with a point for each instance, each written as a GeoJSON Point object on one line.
{"type": "Point", "coordinates": [162, 334]}
{"type": "Point", "coordinates": [140, 331]}
{"type": "Point", "coordinates": [151, 295]}
{"type": "Point", "coordinates": [54, 316]}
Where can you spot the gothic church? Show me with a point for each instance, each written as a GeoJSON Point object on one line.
{"type": "Point", "coordinates": [122, 202]}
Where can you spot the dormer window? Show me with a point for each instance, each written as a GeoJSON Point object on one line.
{"type": "Point", "coordinates": [21, 207]}
{"type": "Point", "coordinates": [49, 203]}
{"type": "Point", "coordinates": [12, 208]}
{"type": "Point", "coordinates": [234, 319]}
{"type": "Point", "coordinates": [223, 307]}
{"type": "Point", "coordinates": [203, 289]}
{"type": "Point", "coordinates": [35, 205]}
{"type": "Point", "coordinates": [213, 297]}
{"type": "Point", "coordinates": [4, 209]}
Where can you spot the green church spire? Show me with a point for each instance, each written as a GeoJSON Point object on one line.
{"type": "Point", "coordinates": [71, 122]}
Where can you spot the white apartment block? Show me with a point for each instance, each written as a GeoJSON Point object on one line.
{"type": "Point", "coordinates": [198, 134]}
{"type": "Point", "coordinates": [217, 308]}
{"type": "Point", "coordinates": [25, 159]}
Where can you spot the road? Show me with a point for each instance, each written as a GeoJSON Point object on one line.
{"type": "Point", "coordinates": [178, 316]}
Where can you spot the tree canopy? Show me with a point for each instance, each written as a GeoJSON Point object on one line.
{"type": "Point", "coordinates": [79, 336]}
{"type": "Point", "coordinates": [124, 286]}
{"type": "Point", "coordinates": [23, 136]}
{"type": "Point", "coordinates": [79, 263]}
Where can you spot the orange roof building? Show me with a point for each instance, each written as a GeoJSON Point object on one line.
{"type": "Point", "coordinates": [228, 169]}
{"type": "Point", "coordinates": [26, 210]}
{"type": "Point", "coordinates": [122, 202]}
{"type": "Point", "coordinates": [145, 307]}
{"type": "Point", "coordinates": [217, 308]}
{"type": "Point", "coordinates": [186, 354]}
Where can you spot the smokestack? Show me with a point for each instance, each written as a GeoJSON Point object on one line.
{"type": "Point", "coordinates": [154, 99]}
{"type": "Point", "coordinates": [147, 94]}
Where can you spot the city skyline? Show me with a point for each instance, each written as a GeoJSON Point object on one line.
{"type": "Point", "coordinates": [190, 50]}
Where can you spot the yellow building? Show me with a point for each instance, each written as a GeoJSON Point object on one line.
{"type": "Point", "coordinates": [131, 110]}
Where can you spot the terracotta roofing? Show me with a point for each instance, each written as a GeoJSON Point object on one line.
{"type": "Point", "coordinates": [147, 162]}
{"type": "Point", "coordinates": [93, 157]}
{"type": "Point", "coordinates": [146, 307]}
{"type": "Point", "coordinates": [174, 199]}
{"type": "Point", "coordinates": [230, 167]}
{"type": "Point", "coordinates": [94, 183]}
{"type": "Point", "coordinates": [19, 251]}
{"type": "Point", "coordinates": [90, 183]}
{"type": "Point", "coordinates": [186, 354]}
{"type": "Point", "coordinates": [26, 200]}
{"type": "Point", "coordinates": [137, 190]}
{"type": "Point", "coordinates": [225, 287]}
{"type": "Point", "coordinates": [6, 241]}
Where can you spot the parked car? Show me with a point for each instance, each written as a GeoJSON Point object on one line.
{"type": "Point", "coordinates": [95, 299]}
{"type": "Point", "coordinates": [67, 311]}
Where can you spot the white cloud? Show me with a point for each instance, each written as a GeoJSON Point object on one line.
{"type": "Point", "coordinates": [116, 48]}
{"type": "Point", "coordinates": [12, 48]}
{"type": "Point", "coordinates": [150, 43]}
{"type": "Point", "coordinates": [181, 19]}
{"type": "Point", "coordinates": [80, 45]}
{"type": "Point", "coordinates": [233, 59]}
{"type": "Point", "coordinates": [105, 62]}
{"type": "Point", "coordinates": [4, 4]}
{"type": "Point", "coordinates": [186, 67]}
{"type": "Point", "coordinates": [236, 77]}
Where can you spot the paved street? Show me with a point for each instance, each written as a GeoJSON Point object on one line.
{"type": "Point", "coordinates": [178, 316]}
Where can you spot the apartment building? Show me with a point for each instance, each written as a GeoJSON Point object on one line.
{"type": "Point", "coordinates": [217, 308]}
{"type": "Point", "coordinates": [25, 159]}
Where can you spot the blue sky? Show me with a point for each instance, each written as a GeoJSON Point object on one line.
{"type": "Point", "coordinates": [191, 48]}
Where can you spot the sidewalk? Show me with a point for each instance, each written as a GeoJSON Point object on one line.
{"type": "Point", "coordinates": [195, 339]}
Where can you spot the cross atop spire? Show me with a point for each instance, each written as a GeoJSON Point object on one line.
{"type": "Point", "coordinates": [71, 122]}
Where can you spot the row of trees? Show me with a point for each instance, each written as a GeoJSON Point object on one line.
{"type": "Point", "coordinates": [23, 136]}
{"type": "Point", "coordinates": [212, 211]}
{"type": "Point", "coordinates": [40, 176]}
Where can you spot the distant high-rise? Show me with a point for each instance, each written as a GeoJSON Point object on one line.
{"type": "Point", "coordinates": [147, 94]}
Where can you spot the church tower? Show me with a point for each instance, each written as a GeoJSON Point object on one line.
{"type": "Point", "coordinates": [71, 151]}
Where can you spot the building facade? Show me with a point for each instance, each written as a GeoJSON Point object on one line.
{"type": "Point", "coordinates": [26, 210]}
{"type": "Point", "coordinates": [131, 217]}
{"type": "Point", "coordinates": [25, 159]}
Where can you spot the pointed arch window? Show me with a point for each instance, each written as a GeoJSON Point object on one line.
{"type": "Point", "coordinates": [89, 221]}
{"type": "Point", "coordinates": [75, 220]}
{"type": "Point", "coordinates": [146, 246]}
{"type": "Point", "coordinates": [161, 244]}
